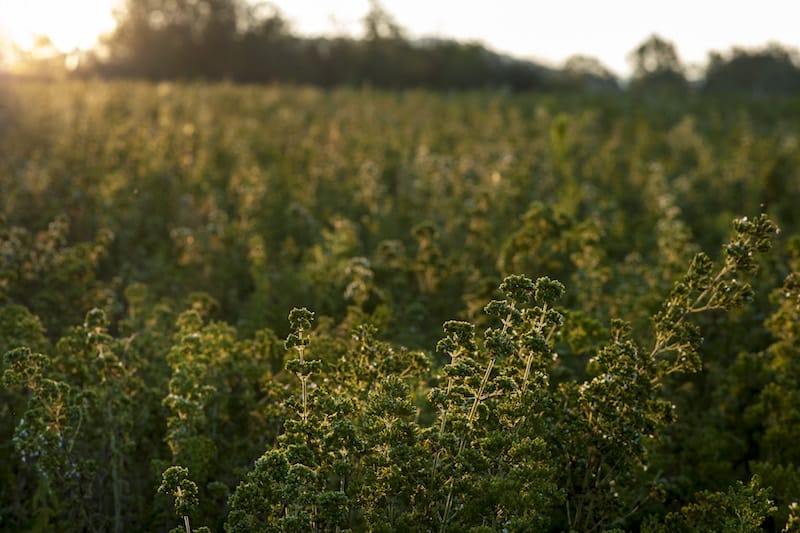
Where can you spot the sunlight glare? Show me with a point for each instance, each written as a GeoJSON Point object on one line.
{"type": "Point", "coordinates": [69, 25]}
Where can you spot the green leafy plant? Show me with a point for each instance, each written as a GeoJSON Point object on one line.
{"type": "Point", "coordinates": [154, 238]}
{"type": "Point", "coordinates": [175, 483]}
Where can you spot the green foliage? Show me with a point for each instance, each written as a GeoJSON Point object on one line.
{"type": "Point", "coordinates": [175, 482]}
{"type": "Point", "coordinates": [765, 70]}
{"type": "Point", "coordinates": [743, 508]}
{"type": "Point", "coordinates": [43, 273]}
{"type": "Point", "coordinates": [657, 67]}
{"type": "Point", "coordinates": [507, 448]}
{"type": "Point", "coordinates": [445, 380]}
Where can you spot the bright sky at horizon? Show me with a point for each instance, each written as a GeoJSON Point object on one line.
{"type": "Point", "coordinates": [544, 31]}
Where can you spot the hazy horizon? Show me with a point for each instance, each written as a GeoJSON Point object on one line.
{"type": "Point", "coordinates": [607, 31]}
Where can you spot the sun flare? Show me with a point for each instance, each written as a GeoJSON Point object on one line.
{"type": "Point", "coordinates": [68, 25]}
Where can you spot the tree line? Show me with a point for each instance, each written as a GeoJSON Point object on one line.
{"type": "Point", "coordinates": [253, 43]}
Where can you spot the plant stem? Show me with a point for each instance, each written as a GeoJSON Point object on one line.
{"type": "Point", "coordinates": [116, 484]}
{"type": "Point", "coordinates": [303, 380]}
{"type": "Point", "coordinates": [462, 442]}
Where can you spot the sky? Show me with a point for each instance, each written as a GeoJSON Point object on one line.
{"type": "Point", "coordinates": [548, 31]}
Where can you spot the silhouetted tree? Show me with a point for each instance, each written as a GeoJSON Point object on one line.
{"type": "Point", "coordinates": [769, 70]}
{"type": "Point", "coordinates": [235, 39]}
{"type": "Point", "coordinates": [175, 38]}
{"type": "Point", "coordinates": [380, 25]}
{"type": "Point", "coordinates": [656, 65]}
{"type": "Point", "coordinates": [385, 47]}
{"type": "Point", "coordinates": [267, 52]}
{"type": "Point", "coordinates": [588, 73]}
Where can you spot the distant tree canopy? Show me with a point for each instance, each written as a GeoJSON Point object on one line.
{"type": "Point", "coordinates": [183, 38]}
{"type": "Point", "coordinates": [769, 70]}
{"type": "Point", "coordinates": [232, 39]}
{"type": "Point", "coordinates": [656, 65]}
{"type": "Point", "coordinates": [588, 73]}
{"type": "Point", "coordinates": [245, 42]}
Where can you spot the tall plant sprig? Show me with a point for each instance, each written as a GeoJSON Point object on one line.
{"type": "Point", "coordinates": [94, 361]}
{"type": "Point", "coordinates": [113, 382]}
{"type": "Point", "coordinates": [704, 289]}
{"type": "Point", "coordinates": [777, 408]}
{"type": "Point", "coordinates": [189, 393]}
{"type": "Point", "coordinates": [303, 483]}
{"type": "Point", "coordinates": [175, 482]}
{"type": "Point", "coordinates": [488, 407]}
{"type": "Point", "coordinates": [298, 339]}
{"type": "Point", "coordinates": [48, 429]}
{"type": "Point", "coordinates": [622, 410]}
{"type": "Point", "coordinates": [76, 430]}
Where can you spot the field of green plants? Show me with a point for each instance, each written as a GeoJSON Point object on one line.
{"type": "Point", "coordinates": [285, 309]}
